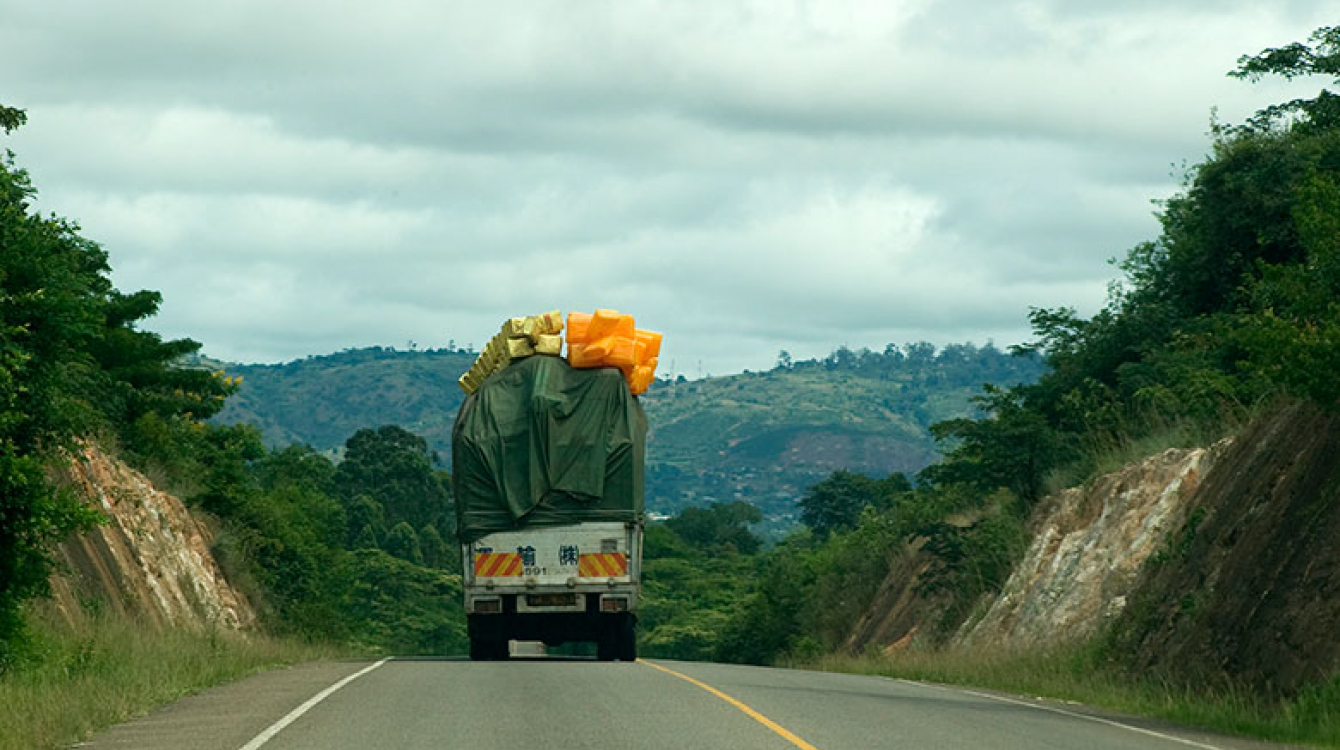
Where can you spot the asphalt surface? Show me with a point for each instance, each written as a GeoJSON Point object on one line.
{"type": "Point", "coordinates": [554, 703]}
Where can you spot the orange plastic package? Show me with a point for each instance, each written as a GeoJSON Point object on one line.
{"type": "Point", "coordinates": [622, 352]}
{"type": "Point", "coordinates": [652, 341]}
{"type": "Point", "coordinates": [579, 324]}
{"type": "Point", "coordinates": [583, 356]}
{"type": "Point", "coordinates": [609, 323]}
{"type": "Point", "coordinates": [609, 339]}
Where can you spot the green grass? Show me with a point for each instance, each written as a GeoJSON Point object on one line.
{"type": "Point", "coordinates": [1113, 453]}
{"type": "Point", "coordinates": [1312, 718]}
{"type": "Point", "coordinates": [71, 682]}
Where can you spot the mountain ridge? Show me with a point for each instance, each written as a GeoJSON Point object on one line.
{"type": "Point", "coordinates": [763, 437]}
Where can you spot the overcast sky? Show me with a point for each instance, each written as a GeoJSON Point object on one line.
{"type": "Point", "coordinates": [302, 177]}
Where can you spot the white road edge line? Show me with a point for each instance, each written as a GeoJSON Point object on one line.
{"type": "Point", "coordinates": [293, 715]}
{"type": "Point", "coordinates": [1086, 717]}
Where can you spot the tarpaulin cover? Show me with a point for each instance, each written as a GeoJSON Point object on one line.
{"type": "Point", "coordinates": [543, 444]}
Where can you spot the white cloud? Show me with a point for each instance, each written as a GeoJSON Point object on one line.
{"type": "Point", "coordinates": [300, 177]}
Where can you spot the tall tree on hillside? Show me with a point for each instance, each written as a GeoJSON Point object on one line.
{"type": "Point", "coordinates": [835, 504]}
{"type": "Point", "coordinates": [723, 527]}
{"type": "Point", "coordinates": [394, 467]}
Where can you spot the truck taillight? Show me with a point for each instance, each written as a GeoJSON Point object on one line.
{"type": "Point", "coordinates": [613, 604]}
{"type": "Point", "coordinates": [488, 606]}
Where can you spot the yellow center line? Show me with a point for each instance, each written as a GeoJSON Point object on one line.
{"type": "Point", "coordinates": [780, 730]}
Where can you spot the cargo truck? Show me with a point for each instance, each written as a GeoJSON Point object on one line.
{"type": "Point", "coordinates": [547, 472]}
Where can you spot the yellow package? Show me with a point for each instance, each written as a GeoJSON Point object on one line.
{"type": "Point", "coordinates": [549, 343]}
{"type": "Point", "coordinates": [544, 324]}
{"type": "Point", "coordinates": [513, 327]}
{"type": "Point", "coordinates": [518, 348]}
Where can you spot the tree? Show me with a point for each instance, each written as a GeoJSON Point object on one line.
{"type": "Point", "coordinates": [835, 504]}
{"type": "Point", "coordinates": [1013, 448]}
{"type": "Point", "coordinates": [403, 543]}
{"type": "Point", "coordinates": [367, 523]}
{"type": "Point", "coordinates": [723, 527]}
{"type": "Point", "coordinates": [1294, 61]}
{"type": "Point", "coordinates": [436, 553]}
{"type": "Point", "coordinates": [394, 467]}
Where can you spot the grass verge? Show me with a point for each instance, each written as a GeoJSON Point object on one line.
{"type": "Point", "coordinates": [73, 681]}
{"type": "Point", "coordinates": [1311, 718]}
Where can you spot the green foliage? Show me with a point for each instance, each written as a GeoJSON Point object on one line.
{"type": "Point", "coordinates": [403, 543]}
{"type": "Point", "coordinates": [315, 554]}
{"type": "Point", "coordinates": [836, 503]}
{"type": "Point", "coordinates": [395, 467]}
{"type": "Point", "coordinates": [691, 590]}
{"type": "Point", "coordinates": [1293, 61]}
{"type": "Point", "coordinates": [399, 607]}
{"type": "Point", "coordinates": [71, 363]}
{"type": "Point", "coordinates": [769, 623]}
{"type": "Point", "coordinates": [436, 552]}
{"type": "Point", "coordinates": [1013, 447]}
{"type": "Point", "coordinates": [722, 528]}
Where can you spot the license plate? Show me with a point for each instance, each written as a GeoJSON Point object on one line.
{"type": "Point", "coordinates": [551, 600]}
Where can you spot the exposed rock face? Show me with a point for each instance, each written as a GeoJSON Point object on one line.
{"type": "Point", "coordinates": [152, 560]}
{"type": "Point", "coordinates": [1252, 592]}
{"type": "Point", "coordinates": [1088, 548]}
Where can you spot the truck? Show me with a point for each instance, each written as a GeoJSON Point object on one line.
{"type": "Point", "coordinates": [548, 477]}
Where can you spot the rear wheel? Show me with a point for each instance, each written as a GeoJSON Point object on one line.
{"type": "Point", "coordinates": [487, 649]}
{"type": "Point", "coordinates": [628, 639]}
{"type": "Point", "coordinates": [618, 641]}
{"type": "Point", "coordinates": [606, 648]}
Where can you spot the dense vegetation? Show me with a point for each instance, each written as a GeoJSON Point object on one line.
{"type": "Point", "coordinates": [72, 363]}
{"type": "Point", "coordinates": [353, 553]}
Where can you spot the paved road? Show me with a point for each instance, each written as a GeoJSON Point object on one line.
{"type": "Point", "coordinates": [551, 703]}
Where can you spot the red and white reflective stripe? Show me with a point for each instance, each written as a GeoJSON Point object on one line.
{"type": "Point", "coordinates": [497, 564]}
{"type": "Point", "coordinates": [602, 565]}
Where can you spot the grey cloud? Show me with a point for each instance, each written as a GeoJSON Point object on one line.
{"type": "Point", "coordinates": [747, 176]}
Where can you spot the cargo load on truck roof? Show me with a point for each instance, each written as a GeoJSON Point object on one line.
{"type": "Point", "coordinates": [541, 443]}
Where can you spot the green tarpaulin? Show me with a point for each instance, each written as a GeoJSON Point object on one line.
{"type": "Point", "coordinates": [543, 444]}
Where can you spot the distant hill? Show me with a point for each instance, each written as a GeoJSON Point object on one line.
{"type": "Point", "coordinates": [762, 437]}
{"type": "Point", "coordinates": [321, 401]}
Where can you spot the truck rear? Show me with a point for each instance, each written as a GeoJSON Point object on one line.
{"type": "Point", "coordinates": [547, 469]}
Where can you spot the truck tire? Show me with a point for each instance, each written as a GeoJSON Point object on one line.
{"type": "Point", "coordinates": [618, 641]}
{"type": "Point", "coordinates": [487, 649]}
{"type": "Point", "coordinates": [606, 648]}
{"type": "Point", "coordinates": [628, 639]}
{"type": "Point", "coordinates": [479, 649]}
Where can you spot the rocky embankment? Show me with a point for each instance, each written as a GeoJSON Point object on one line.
{"type": "Point", "coordinates": [1089, 546]}
{"type": "Point", "coordinates": [151, 560]}
{"type": "Point", "coordinates": [1214, 565]}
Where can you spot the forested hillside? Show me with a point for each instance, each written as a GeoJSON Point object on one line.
{"type": "Point", "coordinates": [713, 439]}
{"type": "Point", "coordinates": [321, 401]}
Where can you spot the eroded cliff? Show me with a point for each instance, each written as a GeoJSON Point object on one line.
{"type": "Point", "coordinates": [1089, 545]}
{"type": "Point", "coordinates": [151, 560]}
{"type": "Point", "coordinates": [1216, 564]}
